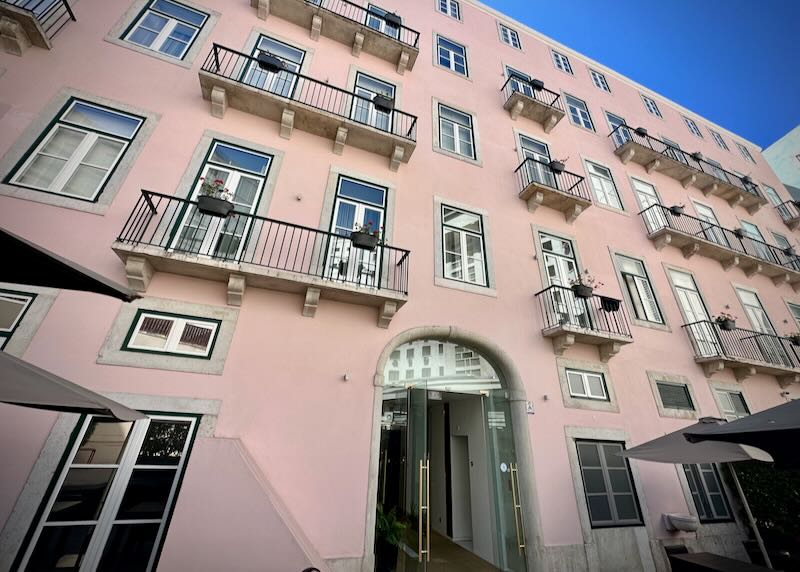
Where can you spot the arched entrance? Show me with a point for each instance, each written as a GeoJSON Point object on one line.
{"type": "Point", "coordinates": [451, 455]}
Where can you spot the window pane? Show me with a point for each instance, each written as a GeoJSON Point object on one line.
{"type": "Point", "coordinates": [720, 509]}
{"type": "Point", "coordinates": [103, 153]}
{"type": "Point", "coordinates": [103, 442]}
{"type": "Point", "coordinates": [153, 333]}
{"type": "Point", "coordinates": [626, 507]}
{"type": "Point", "coordinates": [102, 120]}
{"type": "Point", "coordinates": [41, 172]}
{"type": "Point", "coordinates": [180, 12]}
{"type": "Point", "coordinates": [147, 494]}
{"type": "Point", "coordinates": [593, 480]}
{"type": "Point", "coordinates": [619, 480]}
{"type": "Point", "coordinates": [361, 191]}
{"type": "Point", "coordinates": [461, 219]}
{"type": "Point", "coordinates": [611, 453]}
{"type": "Point", "coordinates": [11, 307]}
{"type": "Point", "coordinates": [195, 339]}
{"type": "Point", "coordinates": [60, 548]}
{"type": "Point", "coordinates": [82, 495]}
{"type": "Point", "coordinates": [163, 443]}
{"type": "Point", "coordinates": [575, 381]}
{"type": "Point", "coordinates": [588, 454]}
{"type": "Point", "coordinates": [240, 159]}
{"type": "Point", "coordinates": [596, 388]}
{"type": "Point", "coordinates": [85, 181]}
{"type": "Point", "coordinates": [710, 480]}
{"type": "Point", "coordinates": [599, 509]}
{"type": "Point", "coordinates": [456, 116]}
{"type": "Point", "coordinates": [128, 547]}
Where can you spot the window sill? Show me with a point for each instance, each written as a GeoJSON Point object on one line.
{"type": "Point", "coordinates": [455, 73]}
{"type": "Point", "coordinates": [54, 199]}
{"type": "Point", "coordinates": [608, 208]}
{"type": "Point", "coordinates": [476, 162]}
{"type": "Point", "coordinates": [464, 286]}
{"type": "Point", "coordinates": [184, 63]}
{"type": "Point", "coordinates": [650, 325]}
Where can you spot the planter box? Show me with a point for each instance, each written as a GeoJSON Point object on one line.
{"type": "Point", "coordinates": [537, 84]}
{"type": "Point", "coordinates": [393, 19]}
{"type": "Point", "coordinates": [270, 63]}
{"type": "Point", "coordinates": [582, 291]}
{"type": "Point", "coordinates": [557, 167]}
{"type": "Point", "coordinates": [383, 103]}
{"type": "Point", "coordinates": [214, 206]}
{"type": "Point", "coordinates": [364, 240]}
{"type": "Point", "coordinates": [739, 233]}
{"type": "Point", "coordinates": [676, 210]}
{"type": "Point", "coordinates": [727, 325]}
{"type": "Point", "coordinates": [795, 340]}
{"type": "Point", "coordinates": [640, 131]}
{"type": "Point", "coordinates": [697, 156]}
{"type": "Point", "coordinates": [609, 304]}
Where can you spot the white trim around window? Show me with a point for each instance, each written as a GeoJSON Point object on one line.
{"type": "Point", "coordinates": [578, 111]}
{"type": "Point", "coordinates": [668, 383]}
{"type": "Point", "coordinates": [450, 8]}
{"type": "Point", "coordinates": [167, 27]}
{"type": "Point", "coordinates": [455, 132]}
{"type": "Point", "coordinates": [599, 80]}
{"type": "Point", "coordinates": [595, 379]}
{"type": "Point", "coordinates": [172, 334]}
{"type": "Point", "coordinates": [450, 55]}
{"type": "Point", "coordinates": [692, 126]}
{"type": "Point", "coordinates": [561, 62]}
{"type": "Point", "coordinates": [651, 106]}
{"type": "Point", "coordinates": [509, 36]}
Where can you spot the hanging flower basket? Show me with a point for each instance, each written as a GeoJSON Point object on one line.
{"type": "Point", "coordinates": [383, 103]}
{"type": "Point", "coordinates": [537, 84]}
{"type": "Point", "coordinates": [557, 167]}
{"type": "Point", "coordinates": [609, 304]}
{"type": "Point", "coordinates": [364, 240]}
{"type": "Point", "coordinates": [270, 63]}
{"type": "Point", "coordinates": [747, 180]}
{"type": "Point", "coordinates": [214, 199]}
{"type": "Point", "coordinates": [677, 210]}
{"type": "Point", "coordinates": [697, 156]}
{"type": "Point", "coordinates": [582, 290]}
{"type": "Point", "coordinates": [795, 339]}
{"type": "Point", "coordinates": [640, 131]}
{"type": "Point", "coordinates": [726, 324]}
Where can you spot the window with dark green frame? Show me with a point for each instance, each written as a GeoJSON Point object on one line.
{"type": "Point", "coordinates": [13, 306]}
{"type": "Point", "coordinates": [78, 152]}
{"type": "Point", "coordinates": [608, 484]}
{"type": "Point", "coordinates": [186, 336]}
{"type": "Point", "coordinates": [707, 492]}
{"type": "Point", "coordinates": [112, 499]}
{"type": "Point", "coordinates": [167, 27]}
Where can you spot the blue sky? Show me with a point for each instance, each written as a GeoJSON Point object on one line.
{"type": "Point", "coordinates": [736, 62]}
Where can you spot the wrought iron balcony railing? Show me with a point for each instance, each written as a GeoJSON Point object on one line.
{"type": "Point", "coordinates": [790, 213]}
{"type": "Point", "coordinates": [659, 218]}
{"type": "Point", "coordinates": [530, 99]}
{"type": "Point", "coordinates": [244, 69]}
{"type": "Point", "coordinates": [379, 23]}
{"type": "Point", "coordinates": [535, 172]}
{"type": "Point", "coordinates": [560, 307]}
{"type": "Point", "coordinates": [741, 346]}
{"type": "Point", "coordinates": [52, 15]}
{"type": "Point", "coordinates": [516, 84]}
{"type": "Point", "coordinates": [178, 227]}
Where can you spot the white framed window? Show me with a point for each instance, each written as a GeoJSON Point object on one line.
{"type": "Point", "coordinates": [450, 7]}
{"type": "Point", "coordinates": [586, 384]}
{"type": "Point", "coordinates": [463, 246]}
{"type": "Point", "coordinates": [692, 126]}
{"type": "Point", "coordinates": [13, 306]}
{"type": "Point", "coordinates": [608, 484]}
{"type": "Point", "coordinates": [599, 80]}
{"type": "Point", "coordinates": [640, 289]}
{"type": "Point", "coordinates": [376, 19]}
{"type": "Point", "coordinates": [772, 195]}
{"type": "Point", "coordinates": [363, 110]}
{"type": "Point", "coordinates": [561, 62]}
{"type": "Point", "coordinates": [651, 106]}
{"type": "Point", "coordinates": [707, 492]}
{"type": "Point", "coordinates": [167, 27]}
{"type": "Point", "coordinates": [674, 395]}
{"type": "Point", "coordinates": [719, 140]}
{"type": "Point", "coordinates": [509, 36]}
{"type": "Point", "coordinates": [280, 83]}
{"type": "Point", "coordinates": [603, 187]}
{"type": "Point", "coordinates": [579, 112]}
{"type": "Point", "coordinates": [172, 334]}
{"type": "Point", "coordinates": [113, 498]}
{"type": "Point", "coordinates": [452, 55]}
{"type": "Point", "coordinates": [79, 151]}
{"type": "Point", "coordinates": [745, 153]}
{"type": "Point", "coordinates": [621, 134]}
{"type": "Point", "coordinates": [455, 132]}
{"type": "Point", "coordinates": [732, 404]}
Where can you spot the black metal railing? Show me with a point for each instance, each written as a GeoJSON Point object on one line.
{"type": "Point", "coordinates": [289, 85]}
{"type": "Point", "coordinates": [623, 134]}
{"type": "Point", "coordinates": [789, 210]}
{"type": "Point", "coordinates": [538, 93]}
{"type": "Point", "coordinates": [658, 217]}
{"type": "Point", "coordinates": [561, 307]}
{"type": "Point", "coordinates": [534, 171]}
{"type": "Point", "coordinates": [52, 15]}
{"type": "Point", "coordinates": [708, 339]}
{"type": "Point", "coordinates": [177, 226]}
{"type": "Point", "coordinates": [366, 17]}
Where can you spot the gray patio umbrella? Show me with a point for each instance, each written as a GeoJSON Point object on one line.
{"type": "Point", "coordinates": [775, 430]}
{"type": "Point", "coordinates": [25, 384]}
{"type": "Point", "coordinates": [27, 263]}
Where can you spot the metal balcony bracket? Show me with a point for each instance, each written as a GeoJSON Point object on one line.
{"type": "Point", "coordinates": [730, 262]}
{"type": "Point", "coordinates": [13, 37]}
{"type": "Point", "coordinates": [743, 373]}
{"type": "Point", "coordinates": [781, 279]}
{"type": "Point", "coordinates": [287, 123]}
{"type": "Point", "coordinates": [653, 165]}
{"type": "Point", "coordinates": [627, 155]}
{"type": "Point", "coordinates": [711, 189]}
{"type": "Point", "coordinates": [787, 380]}
{"type": "Point", "coordinates": [236, 287]}
{"type": "Point", "coordinates": [752, 270]}
{"type": "Point", "coordinates": [311, 302]}
{"type": "Point", "coordinates": [562, 342]}
{"type": "Point", "coordinates": [572, 213]}
{"type": "Point", "coordinates": [402, 62]}
{"type": "Point", "coordinates": [139, 272]}
{"type": "Point", "coordinates": [396, 158]}
{"type": "Point", "coordinates": [535, 201]}
{"type": "Point", "coordinates": [735, 200]}
{"type": "Point", "coordinates": [550, 122]}
{"type": "Point", "coordinates": [340, 140]}
{"type": "Point", "coordinates": [316, 27]}
{"type": "Point", "coordinates": [690, 249]}
{"type": "Point", "coordinates": [662, 241]}
{"type": "Point", "coordinates": [689, 181]}
{"type": "Point", "coordinates": [609, 350]}
{"type": "Point", "coordinates": [712, 367]}
{"type": "Point", "coordinates": [262, 8]}
{"type": "Point", "coordinates": [358, 44]}
{"type": "Point", "coordinates": [517, 109]}
{"type": "Point", "coordinates": [385, 314]}
{"type": "Point", "coordinates": [219, 102]}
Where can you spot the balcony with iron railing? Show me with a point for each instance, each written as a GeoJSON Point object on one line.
{"type": "Point", "coordinates": [597, 320]}
{"type": "Point", "coordinates": [382, 35]}
{"type": "Point", "coordinates": [530, 99]}
{"type": "Point", "coordinates": [32, 22]}
{"type": "Point", "coordinates": [790, 213]}
{"type": "Point", "coordinates": [170, 234]}
{"type": "Point", "coordinates": [232, 78]}
{"type": "Point", "coordinates": [548, 184]}
{"type": "Point", "coordinates": [688, 168]}
{"type": "Point", "coordinates": [731, 248]}
{"type": "Point", "coordinates": [747, 352]}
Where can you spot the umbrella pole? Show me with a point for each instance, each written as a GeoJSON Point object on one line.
{"type": "Point", "coordinates": [750, 517]}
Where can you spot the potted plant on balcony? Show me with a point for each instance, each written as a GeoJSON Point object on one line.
{"type": "Point", "coordinates": [393, 19]}
{"type": "Point", "coordinates": [537, 84]}
{"type": "Point", "coordinates": [739, 232]}
{"type": "Point", "coordinates": [697, 156]}
{"type": "Point", "coordinates": [383, 103]}
{"type": "Point", "coordinates": [677, 210]}
{"type": "Point", "coordinates": [214, 199]}
{"type": "Point", "coordinates": [270, 63]}
{"type": "Point", "coordinates": [584, 284]}
{"type": "Point", "coordinates": [365, 237]}
{"type": "Point", "coordinates": [557, 165]}
{"type": "Point", "coordinates": [726, 321]}
{"type": "Point", "coordinates": [794, 337]}
{"type": "Point", "coordinates": [640, 131]}
{"type": "Point", "coordinates": [389, 533]}
{"type": "Point", "coordinates": [609, 304]}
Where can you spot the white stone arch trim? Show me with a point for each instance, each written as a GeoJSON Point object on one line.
{"type": "Point", "coordinates": [507, 371]}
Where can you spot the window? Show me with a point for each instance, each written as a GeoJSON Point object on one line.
{"type": "Point", "coordinates": [463, 242]}
{"type": "Point", "coordinates": [450, 7]}
{"type": "Point", "coordinates": [13, 306]}
{"type": "Point", "coordinates": [651, 106]}
{"type": "Point", "coordinates": [167, 27]}
{"type": "Point", "coordinates": [745, 153]}
{"type": "Point", "coordinates": [586, 384]}
{"type": "Point", "coordinates": [795, 310]}
{"type": "Point", "coordinates": [608, 484]}
{"type": "Point", "coordinates": [452, 56]}
{"type": "Point", "coordinates": [599, 80]}
{"type": "Point", "coordinates": [363, 110]}
{"type": "Point", "coordinates": [280, 83]}
{"type": "Point", "coordinates": [605, 191]}
{"type": "Point", "coordinates": [172, 334]}
{"type": "Point", "coordinates": [781, 241]}
{"type": "Point", "coordinates": [772, 195]}
{"type": "Point", "coordinates": [562, 62]}
{"type": "Point", "coordinates": [714, 232]}
{"type": "Point", "coordinates": [377, 21]}
{"type": "Point", "coordinates": [455, 132]}
{"type": "Point", "coordinates": [692, 126]}
{"type": "Point", "coordinates": [621, 134]}
{"type": "Point", "coordinates": [640, 290]}
{"type": "Point", "coordinates": [510, 37]}
{"type": "Point", "coordinates": [79, 151]}
{"type": "Point", "coordinates": [113, 498]}
{"type": "Point", "coordinates": [719, 140]}
{"type": "Point", "coordinates": [578, 112]}
{"type": "Point", "coordinates": [675, 395]}
{"type": "Point", "coordinates": [732, 404]}
{"type": "Point", "coordinates": [707, 492]}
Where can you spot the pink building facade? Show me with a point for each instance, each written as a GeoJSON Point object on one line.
{"type": "Point", "coordinates": [296, 381]}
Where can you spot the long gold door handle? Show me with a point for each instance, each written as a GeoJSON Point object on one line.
{"type": "Point", "coordinates": [517, 508]}
{"type": "Point", "coordinates": [428, 509]}
{"type": "Point", "coordinates": [424, 488]}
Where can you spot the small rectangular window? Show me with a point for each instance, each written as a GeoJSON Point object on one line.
{"type": "Point", "coordinates": [608, 484]}
{"type": "Point", "coordinates": [603, 187]}
{"type": "Point", "coordinates": [732, 404]}
{"type": "Point", "coordinates": [707, 492]}
{"type": "Point", "coordinates": [172, 334]}
{"type": "Point", "coordinates": [579, 112]}
{"type": "Point", "coordinates": [510, 37]}
{"type": "Point", "coordinates": [562, 62]}
{"type": "Point", "coordinates": [451, 55]}
{"type": "Point", "coordinates": [586, 384]}
{"type": "Point", "coordinates": [772, 195]}
{"type": "Point", "coordinates": [599, 80]}
{"type": "Point", "coordinates": [450, 7]}
{"type": "Point", "coordinates": [463, 242]}
{"type": "Point", "coordinates": [621, 133]}
{"type": "Point", "coordinates": [719, 140]}
{"type": "Point", "coordinates": [651, 106]}
{"type": "Point", "coordinates": [13, 306]}
{"type": "Point", "coordinates": [692, 126]}
{"type": "Point", "coordinates": [640, 290]}
{"type": "Point", "coordinates": [167, 27]}
{"type": "Point", "coordinates": [675, 396]}
{"type": "Point", "coordinates": [745, 153]}
{"type": "Point", "coordinates": [455, 132]}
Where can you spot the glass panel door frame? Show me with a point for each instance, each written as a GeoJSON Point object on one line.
{"type": "Point", "coordinates": [363, 110]}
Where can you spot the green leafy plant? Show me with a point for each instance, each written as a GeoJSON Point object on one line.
{"type": "Point", "coordinates": [390, 528]}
